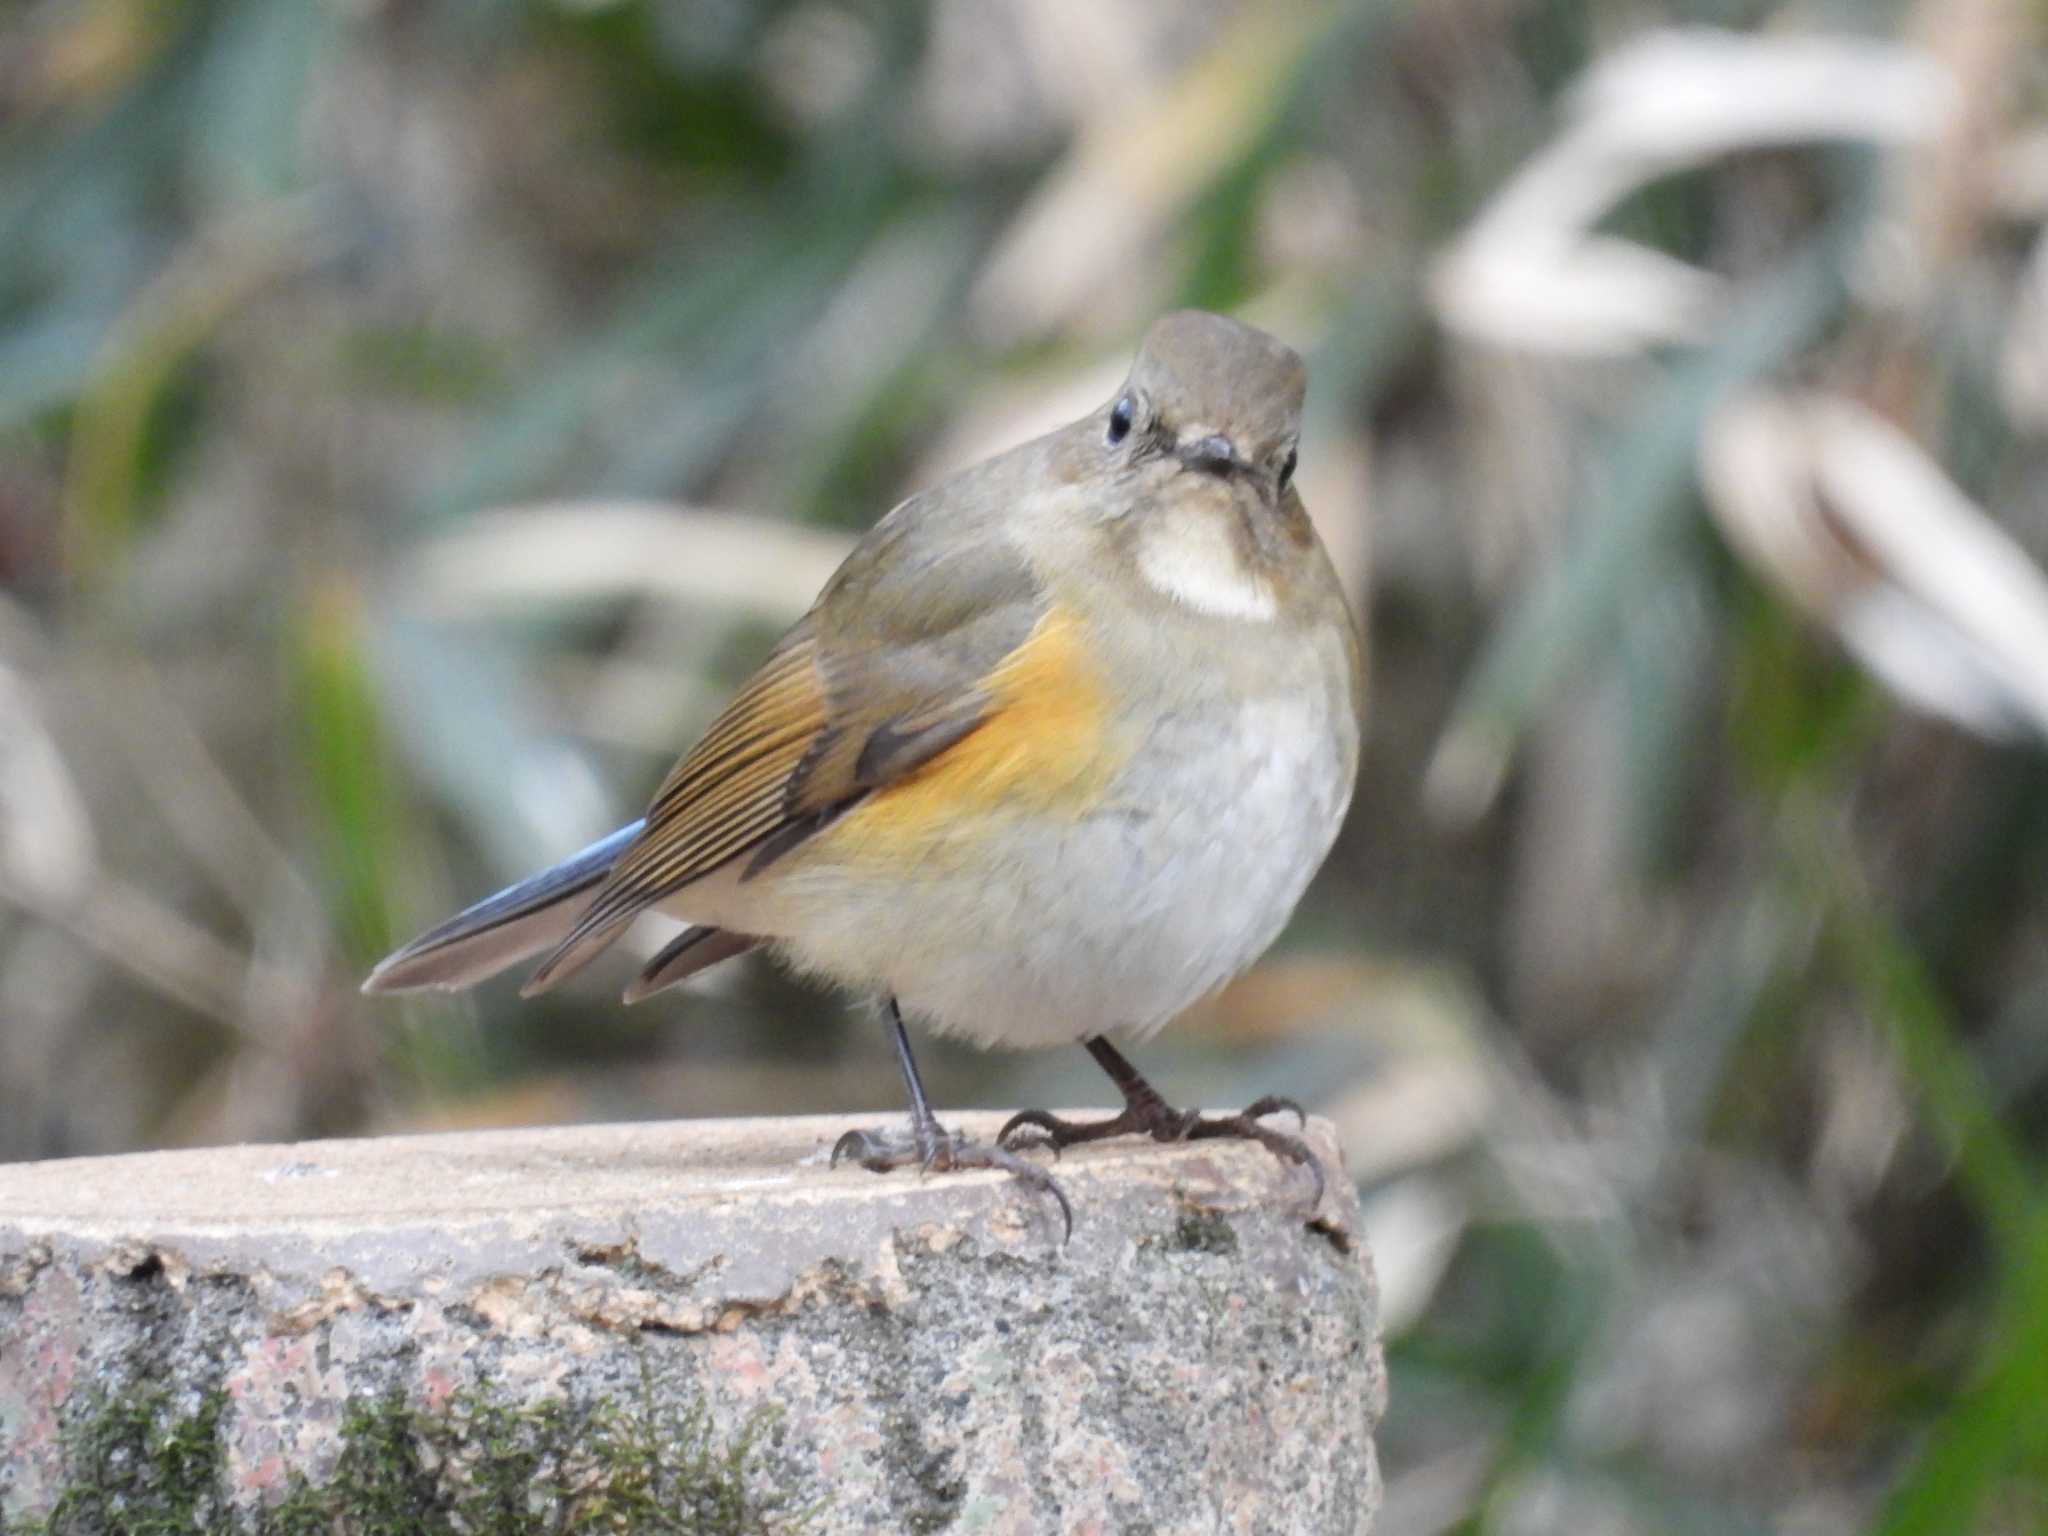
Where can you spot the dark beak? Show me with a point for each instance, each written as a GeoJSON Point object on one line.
{"type": "Point", "coordinates": [1213, 455]}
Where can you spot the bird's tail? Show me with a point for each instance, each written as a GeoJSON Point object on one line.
{"type": "Point", "coordinates": [501, 930]}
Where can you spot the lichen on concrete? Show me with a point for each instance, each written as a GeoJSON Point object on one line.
{"type": "Point", "coordinates": [507, 1334]}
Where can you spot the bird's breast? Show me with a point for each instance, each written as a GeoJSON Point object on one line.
{"type": "Point", "coordinates": [1027, 890]}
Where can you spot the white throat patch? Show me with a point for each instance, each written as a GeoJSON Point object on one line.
{"type": "Point", "coordinates": [1197, 564]}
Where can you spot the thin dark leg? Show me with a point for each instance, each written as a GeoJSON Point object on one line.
{"type": "Point", "coordinates": [931, 1145]}
{"type": "Point", "coordinates": [1146, 1113]}
{"type": "Point", "coordinates": [1128, 1081]}
{"type": "Point", "coordinates": [922, 1119]}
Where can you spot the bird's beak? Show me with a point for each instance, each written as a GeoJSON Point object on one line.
{"type": "Point", "coordinates": [1212, 455]}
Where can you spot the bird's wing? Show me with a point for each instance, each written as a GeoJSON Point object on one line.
{"type": "Point", "coordinates": [886, 672]}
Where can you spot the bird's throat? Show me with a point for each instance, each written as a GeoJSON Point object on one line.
{"type": "Point", "coordinates": [1202, 561]}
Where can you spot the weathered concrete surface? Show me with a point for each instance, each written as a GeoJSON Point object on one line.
{"type": "Point", "coordinates": [1198, 1359]}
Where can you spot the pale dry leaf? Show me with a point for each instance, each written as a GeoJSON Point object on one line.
{"type": "Point", "coordinates": [1530, 271]}
{"type": "Point", "coordinates": [1945, 558]}
{"type": "Point", "coordinates": [575, 552]}
{"type": "Point", "coordinates": [1941, 190]}
{"type": "Point", "coordinates": [1434, 1092]}
{"type": "Point", "coordinates": [1097, 218]}
{"type": "Point", "coordinates": [1850, 519]}
{"type": "Point", "coordinates": [1412, 1228]}
{"type": "Point", "coordinates": [47, 853]}
{"type": "Point", "coordinates": [1756, 469]}
{"type": "Point", "coordinates": [1005, 80]}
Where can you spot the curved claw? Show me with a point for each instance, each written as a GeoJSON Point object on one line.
{"type": "Point", "coordinates": [1314, 1165]}
{"type": "Point", "coordinates": [1290, 1149]}
{"type": "Point", "coordinates": [967, 1155]}
{"type": "Point", "coordinates": [1277, 1104]}
{"type": "Point", "coordinates": [941, 1151]}
{"type": "Point", "coordinates": [1037, 1118]}
{"type": "Point", "coordinates": [858, 1145]}
{"type": "Point", "coordinates": [1066, 1210]}
{"type": "Point", "coordinates": [1302, 1155]}
{"type": "Point", "coordinates": [1048, 1125]}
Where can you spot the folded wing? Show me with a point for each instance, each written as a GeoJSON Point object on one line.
{"type": "Point", "coordinates": [884, 674]}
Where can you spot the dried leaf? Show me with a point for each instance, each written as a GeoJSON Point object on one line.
{"type": "Point", "coordinates": [1854, 523]}
{"type": "Point", "coordinates": [1530, 272]}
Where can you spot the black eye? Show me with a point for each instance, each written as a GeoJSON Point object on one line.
{"type": "Point", "coordinates": [1120, 420]}
{"type": "Point", "coordinates": [1287, 470]}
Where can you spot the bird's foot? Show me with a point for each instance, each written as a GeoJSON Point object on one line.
{"type": "Point", "coordinates": [1148, 1114]}
{"type": "Point", "coordinates": [932, 1148]}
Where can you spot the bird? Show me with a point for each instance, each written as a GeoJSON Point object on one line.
{"type": "Point", "coordinates": [1053, 756]}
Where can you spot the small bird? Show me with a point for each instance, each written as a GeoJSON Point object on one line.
{"type": "Point", "coordinates": [1053, 756]}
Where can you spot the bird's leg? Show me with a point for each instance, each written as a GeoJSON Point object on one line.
{"type": "Point", "coordinates": [930, 1145]}
{"type": "Point", "coordinates": [1146, 1113]}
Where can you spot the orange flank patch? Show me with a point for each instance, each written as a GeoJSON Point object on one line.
{"type": "Point", "coordinates": [1043, 751]}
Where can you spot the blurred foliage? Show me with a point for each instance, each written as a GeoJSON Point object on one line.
{"type": "Point", "coordinates": [367, 368]}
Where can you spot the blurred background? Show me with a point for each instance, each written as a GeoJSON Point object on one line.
{"type": "Point", "coordinates": [415, 415]}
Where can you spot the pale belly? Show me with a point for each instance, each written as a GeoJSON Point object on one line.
{"type": "Point", "coordinates": [1037, 929]}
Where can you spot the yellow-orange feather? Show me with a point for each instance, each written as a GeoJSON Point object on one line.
{"type": "Point", "coordinates": [785, 756]}
{"type": "Point", "coordinates": [1041, 748]}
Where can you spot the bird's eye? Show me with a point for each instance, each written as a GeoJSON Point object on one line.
{"type": "Point", "coordinates": [1287, 470]}
{"type": "Point", "coordinates": [1120, 420]}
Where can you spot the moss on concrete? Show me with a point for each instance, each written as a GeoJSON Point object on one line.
{"type": "Point", "coordinates": [140, 1463]}
{"type": "Point", "coordinates": [1205, 1232]}
{"type": "Point", "coordinates": [136, 1464]}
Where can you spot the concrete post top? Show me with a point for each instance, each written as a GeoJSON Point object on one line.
{"type": "Point", "coordinates": [337, 1335]}
{"type": "Point", "coordinates": [575, 1167]}
{"type": "Point", "coordinates": [756, 1196]}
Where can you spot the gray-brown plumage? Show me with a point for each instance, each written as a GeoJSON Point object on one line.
{"type": "Point", "coordinates": [1054, 753]}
